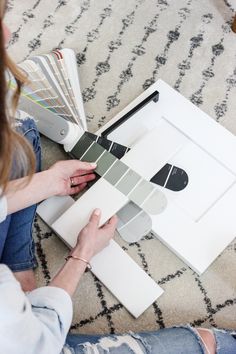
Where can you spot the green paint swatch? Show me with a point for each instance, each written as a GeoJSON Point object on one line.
{"type": "Point", "coordinates": [155, 204]}
{"type": "Point", "coordinates": [105, 162]}
{"type": "Point", "coordinates": [81, 146]}
{"type": "Point", "coordinates": [141, 192]}
{"type": "Point", "coordinates": [128, 182]}
{"type": "Point", "coordinates": [116, 172]}
{"type": "Point", "coordinates": [93, 153]}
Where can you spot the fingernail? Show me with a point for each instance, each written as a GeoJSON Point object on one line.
{"type": "Point", "coordinates": [93, 164]}
{"type": "Point", "coordinates": [97, 212]}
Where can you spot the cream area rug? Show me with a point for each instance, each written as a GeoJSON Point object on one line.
{"type": "Point", "coordinates": [123, 47]}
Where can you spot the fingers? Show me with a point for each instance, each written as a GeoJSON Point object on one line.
{"type": "Point", "coordinates": [79, 183]}
{"type": "Point", "coordinates": [82, 179]}
{"type": "Point", "coordinates": [84, 172]}
{"type": "Point", "coordinates": [77, 189]}
{"type": "Point", "coordinates": [113, 220]}
{"type": "Point", "coordinates": [83, 166]}
{"type": "Point", "coordinates": [112, 223]}
{"type": "Point", "coordinates": [95, 218]}
{"type": "Point", "coordinates": [109, 228]}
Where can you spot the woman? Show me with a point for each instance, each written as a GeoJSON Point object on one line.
{"type": "Point", "coordinates": [38, 321]}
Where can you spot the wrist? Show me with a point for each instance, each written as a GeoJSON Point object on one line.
{"type": "Point", "coordinates": [22, 193]}
{"type": "Point", "coordinates": [84, 261]}
{"type": "Point", "coordinates": [82, 252]}
{"type": "Point", "coordinates": [52, 182]}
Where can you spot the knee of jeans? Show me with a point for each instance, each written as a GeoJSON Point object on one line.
{"type": "Point", "coordinates": [125, 343]}
{"type": "Point", "coordinates": [27, 127]}
{"type": "Point", "coordinates": [31, 133]}
{"type": "Point", "coordinates": [208, 339]}
{"type": "Point", "coordinates": [67, 350]}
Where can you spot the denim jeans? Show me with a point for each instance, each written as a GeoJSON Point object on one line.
{"type": "Point", "coordinates": [174, 340]}
{"type": "Point", "coordinates": [16, 242]}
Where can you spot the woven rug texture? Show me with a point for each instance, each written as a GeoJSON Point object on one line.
{"type": "Point", "coordinates": [122, 48]}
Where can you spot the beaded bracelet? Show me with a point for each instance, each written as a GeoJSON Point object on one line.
{"type": "Point", "coordinates": [79, 259]}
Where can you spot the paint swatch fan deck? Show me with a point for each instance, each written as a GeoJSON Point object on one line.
{"type": "Point", "coordinates": [53, 94]}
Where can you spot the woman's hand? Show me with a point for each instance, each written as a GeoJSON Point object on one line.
{"type": "Point", "coordinates": [92, 238]}
{"type": "Point", "coordinates": [71, 176]}
{"type": "Point", "coordinates": [57, 180]}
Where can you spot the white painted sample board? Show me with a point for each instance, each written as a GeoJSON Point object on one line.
{"type": "Point", "coordinates": [199, 221]}
{"type": "Point", "coordinates": [128, 282]}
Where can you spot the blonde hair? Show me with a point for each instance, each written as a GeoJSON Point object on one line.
{"type": "Point", "coordinates": [13, 146]}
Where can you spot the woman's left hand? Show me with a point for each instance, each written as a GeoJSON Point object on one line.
{"type": "Point", "coordinates": [71, 176]}
{"type": "Point", "coordinates": [62, 178]}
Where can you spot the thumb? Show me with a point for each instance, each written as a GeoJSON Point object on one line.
{"type": "Point", "coordinates": [95, 217]}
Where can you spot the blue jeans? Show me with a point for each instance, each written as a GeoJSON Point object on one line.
{"type": "Point", "coordinates": [16, 242]}
{"type": "Point", "coordinates": [174, 340]}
